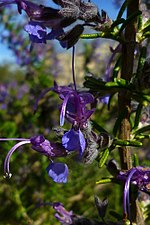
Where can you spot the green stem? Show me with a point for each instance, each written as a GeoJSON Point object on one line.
{"type": "Point", "coordinates": [107, 35]}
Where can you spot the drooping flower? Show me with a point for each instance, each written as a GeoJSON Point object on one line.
{"type": "Point", "coordinates": [57, 171]}
{"type": "Point", "coordinates": [138, 176]}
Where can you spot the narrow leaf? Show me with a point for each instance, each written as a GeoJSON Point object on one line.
{"type": "Point", "coordinates": [103, 157]}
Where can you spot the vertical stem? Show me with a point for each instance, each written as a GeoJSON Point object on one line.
{"type": "Point", "coordinates": [124, 99]}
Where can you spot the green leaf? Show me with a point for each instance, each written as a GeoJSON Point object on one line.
{"type": "Point", "coordinates": [135, 160]}
{"type": "Point", "coordinates": [104, 181]}
{"type": "Point", "coordinates": [122, 9]}
{"type": "Point", "coordinates": [117, 22]}
{"type": "Point", "coordinates": [98, 127]}
{"type": "Point", "coordinates": [138, 115]}
{"type": "Point", "coordinates": [147, 23]}
{"type": "Point", "coordinates": [140, 22]}
{"type": "Point", "coordinates": [146, 35]}
{"type": "Point", "coordinates": [133, 143]}
{"type": "Point", "coordinates": [103, 157]}
{"type": "Point", "coordinates": [142, 130]}
{"type": "Point", "coordinates": [121, 82]}
{"type": "Point", "coordinates": [141, 97]}
{"type": "Point", "coordinates": [141, 61]}
{"type": "Point", "coordinates": [143, 136]}
{"type": "Point", "coordinates": [129, 19]}
{"type": "Point", "coordinates": [110, 100]}
{"type": "Point", "coordinates": [146, 29]}
{"type": "Point", "coordinates": [117, 67]}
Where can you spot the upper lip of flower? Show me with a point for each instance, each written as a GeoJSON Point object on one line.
{"type": "Point", "coordinates": [74, 105]}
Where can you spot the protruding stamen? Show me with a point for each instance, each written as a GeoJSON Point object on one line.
{"type": "Point", "coordinates": [7, 159]}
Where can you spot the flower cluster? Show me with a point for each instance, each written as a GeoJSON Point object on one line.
{"type": "Point", "coordinates": [42, 18]}
{"type": "Point", "coordinates": [74, 109]}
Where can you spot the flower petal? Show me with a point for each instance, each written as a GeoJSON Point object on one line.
{"type": "Point", "coordinates": [63, 110]}
{"type": "Point", "coordinates": [73, 140]}
{"type": "Point", "coordinates": [58, 172]}
{"type": "Point", "coordinates": [36, 31]}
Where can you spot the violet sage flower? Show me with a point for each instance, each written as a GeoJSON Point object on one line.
{"type": "Point", "coordinates": [74, 109]}
{"type": "Point", "coordinates": [40, 18]}
{"type": "Point", "coordinates": [64, 216]}
{"type": "Point", "coordinates": [57, 19]}
{"type": "Point", "coordinates": [38, 33]}
{"type": "Point", "coordinates": [138, 176]}
{"type": "Point", "coordinates": [74, 106]}
{"type": "Point", "coordinates": [56, 170]}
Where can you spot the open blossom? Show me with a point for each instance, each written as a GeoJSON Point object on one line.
{"type": "Point", "coordinates": [56, 170]}
{"type": "Point", "coordinates": [74, 109]}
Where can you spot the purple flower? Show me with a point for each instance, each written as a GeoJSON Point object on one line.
{"type": "Point", "coordinates": [58, 172]}
{"type": "Point", "coordinates": [40, 17]}
{"type": "Point", "coordinates": [62, 214]}
{"type": "Point", "coordinates": [74, 106]}
{"type": "Point", "coordinates": [41, 145]}
{"type": "Point", "coordinates": [73, 140]}
{"type": "Point", "coordinates": [37, 32]}
{"type": "Point", "coordinates": [74, 109]}
{"type": "Point", "coordinates": [138, 176]}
